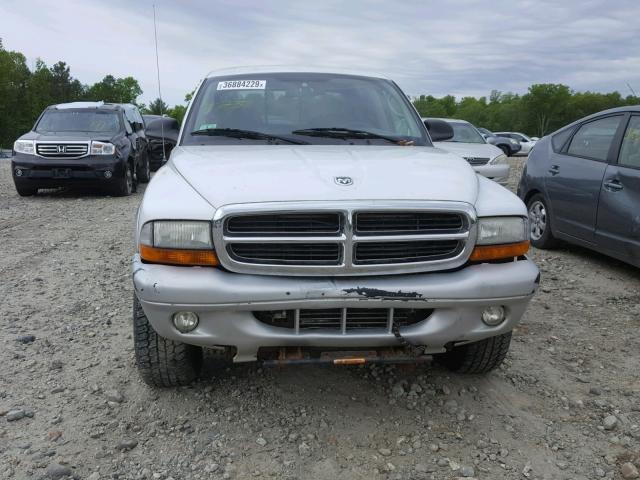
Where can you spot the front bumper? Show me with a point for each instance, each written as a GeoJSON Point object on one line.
{"type": "Point", "coordinates": [225, 301]}
{"type": "Point", "coordinates": [498, 173]}
{"type": "Point", "coordinates": [33, 169]}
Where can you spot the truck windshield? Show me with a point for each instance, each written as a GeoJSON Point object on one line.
{"type": "Point", "coordinates": [302, 108]}
{"type": "Point", "coordinates": [79, 121]}
{"type": "Point", "coordinates": [465, 133]}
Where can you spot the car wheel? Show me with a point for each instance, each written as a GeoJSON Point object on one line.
{"type": "Point", "coordinates": [505, 149]}
{"type": "Point", "coordinates": [540, 223]}
{"type": "Point", "coordinates": [162, 362]}
{"type": "Point", "coordinates": [124, 186]}
{"type": "Point", "coordinates": [26, 191]}
{"type": "Point", "coordinates": [144, 169]}
{"type": "Point", "coordinates": [476, 357]}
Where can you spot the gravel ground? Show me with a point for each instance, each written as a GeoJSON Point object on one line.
{"type": "Point", "coordinates": [566, 404]}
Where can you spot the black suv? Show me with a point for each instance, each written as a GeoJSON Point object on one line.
{"type": "Point", "coordinates": [83, 144]}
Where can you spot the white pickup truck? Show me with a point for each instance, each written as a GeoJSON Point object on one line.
{"type": "Point", "coordinates": [305, 217]}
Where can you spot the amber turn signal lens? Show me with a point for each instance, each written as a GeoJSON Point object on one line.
{"type": "Point", "coordinates": [498, 252]}
{"type": "Point", "coordinates": [171, 256]}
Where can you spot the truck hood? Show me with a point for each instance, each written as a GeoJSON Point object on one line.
{"type": "Point", "coordinates": [478, 150]}
{"type": "Point", "coordinates": [273, 173]}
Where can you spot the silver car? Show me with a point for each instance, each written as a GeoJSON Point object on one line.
{"type": "Point", "coordinates": [305, 217]}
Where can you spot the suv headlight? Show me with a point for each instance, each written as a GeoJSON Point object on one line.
{"type": "Point", "coordinates": [102, 148]}
{"type": "Point", "coordinates": [499, 160]}
{"type": "Point", "coordinates": [501, 238]}
{"type": "Point", "coordinates": [26, 147]}
{"type": "Point", "coordinates": [177, 242]}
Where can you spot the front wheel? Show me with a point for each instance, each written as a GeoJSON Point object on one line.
{"type": "Point", "coordinates": [144, 169]}
{"type": "Point", "coordinates": [540, 223]}
{"type": "Point", "coordinates": [160, 361]}
{"type": "Point", "coordinates": [124, 186]}
{"type": "Point", "coordinates": [476, 357]}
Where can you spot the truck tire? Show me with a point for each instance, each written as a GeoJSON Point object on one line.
{"type": "Point", "coordinates": [162, 362]}
{"type": "Point", "coordinates": [26, 191]}
{"type": "Point", "coordinates": [540, 221]}
{"type": "Point", "coordinates": [124, 186]}
{"type": "Point", "coordinates": [476, 357]}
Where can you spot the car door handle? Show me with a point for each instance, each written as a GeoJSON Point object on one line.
{"type": "Point", "coordinates": [613, 185]}
{"type": "Point", "coordinates": [554, 170]}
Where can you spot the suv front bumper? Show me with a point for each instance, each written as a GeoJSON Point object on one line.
{"type": "Point", "coordinates": [225, 303]}
{"type": "Point", "coordinates": [36, 170]}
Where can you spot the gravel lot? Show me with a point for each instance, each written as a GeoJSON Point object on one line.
{"type": "Point", "coordinates": [566, 405]}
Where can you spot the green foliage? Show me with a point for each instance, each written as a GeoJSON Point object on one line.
{"type": "Point", "coordinates": [543, 109]}
{"type": "Point", "coordinates": [114, 90]}
{"type": "Point", "coordinates": [157, 107]}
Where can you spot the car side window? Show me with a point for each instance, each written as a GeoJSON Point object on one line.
{"type": "Point", "coordinates": [559, 139]}
{"type": "Point", "coordinates": [630, 150]}
{"type": "Point", "coordinates": [593, 139]}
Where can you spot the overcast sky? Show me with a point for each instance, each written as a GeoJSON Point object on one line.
{"type": "Point", "coordinates": [459, 47]}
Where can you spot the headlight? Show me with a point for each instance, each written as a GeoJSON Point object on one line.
{"type": "Point", "coordinates": [26, 147]}
{"type": "Point", "coordinates": [500, 159]}
{"type": "Point", "coordinates": [501, 230]}
{"type": "Point", "coordinates": [177, 242]}
{"type": "Point", "coordinates": [102, 148]}
{"type": "Point", "coordinates": [501, 238]}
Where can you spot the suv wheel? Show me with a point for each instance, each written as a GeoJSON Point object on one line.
{"type": "Point", "coordinates": [476, 357]}
{"type": "Point", "coordinates": [26, 191]}
{"type": "Point", "coordinates": [124, 186]}
{"type": "Point", "coordinates": [144, 169]}
{"type": "Point", "coordinates": [162, 362]}
{"type": "Point", "coordinates": [540, 222]}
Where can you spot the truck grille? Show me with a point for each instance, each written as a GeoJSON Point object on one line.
{"type": "Point", "coordinates": [345, 238]}
{"type": "Point", "coordinates": [286, 253]}
{"type": "Point", "coordinates": [477, 160]}
{"type": "Point", "coordinates": [404, 252]}
{"type": "Point", "coordinates": [342, 319]}
{"type": "Point", "coordinates": [62, 150]}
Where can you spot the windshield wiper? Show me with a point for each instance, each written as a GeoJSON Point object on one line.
{"type": "Point", "coordinates": [336, 132]}
{"type": "Point", "coordinates": [239, 133]}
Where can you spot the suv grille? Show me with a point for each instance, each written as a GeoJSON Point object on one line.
{"type": "Point", "coordinates": [62, 150]}
{"type": "Point", "coordinates": [342, 319]}
{"type": "Point", "coordinates": [343, 238]}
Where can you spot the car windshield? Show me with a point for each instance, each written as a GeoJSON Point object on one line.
{"type": "Point", "coordinates": [302, 108]}
{"type": "Point", "coordinates": [79, 121]}
{"type": "Point", "coordinates": [465, 133]}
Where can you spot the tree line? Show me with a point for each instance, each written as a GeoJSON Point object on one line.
{"type": "Point", "coordinates": [25, 92]}
{"type": "Point", "coordinates": [543, 109]}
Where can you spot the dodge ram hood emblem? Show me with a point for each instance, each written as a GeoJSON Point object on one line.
{"type": "Point", "coordinates": [344, 181]}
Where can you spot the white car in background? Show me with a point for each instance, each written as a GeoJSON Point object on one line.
{"type": "Point", "coordinates": [468, 143]}
{"type": "Point", "coordinates": [526, 141]}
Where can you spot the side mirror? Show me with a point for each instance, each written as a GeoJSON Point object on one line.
{"type": "Point", "coordinates": [439, 130]}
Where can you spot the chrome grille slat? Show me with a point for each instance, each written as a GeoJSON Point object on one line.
{"type": "Point", "coordinates": [62, 149]}
{"type": "Point", "coordinates": [284, 238]}
{"type": "Point", "coordinates": [477, 160]}
{"type": "Point", "coordinates": [343, 320]}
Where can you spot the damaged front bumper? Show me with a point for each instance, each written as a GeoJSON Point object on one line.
{"type": "Point", "coordinates": [225, 304]}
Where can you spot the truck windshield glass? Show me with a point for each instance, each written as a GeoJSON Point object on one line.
{"type": "Point", "coordinates": [78, 121]}
{"type": "Point", "coordinates": [465, 133]}
{"type": "Point", "coordinates": [306, 108]}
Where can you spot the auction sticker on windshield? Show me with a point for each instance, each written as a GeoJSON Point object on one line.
{"type": "Point", "coordinates": [242, 85]}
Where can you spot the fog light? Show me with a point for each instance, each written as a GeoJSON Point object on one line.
{"type": "Point", "coordinates": [493, 316]}
{"type": "Point", "coordinates": [185, 321]}
{"type": "Point", "coordinates": [108, 174]}
{"type": "Point", "coordinates": [18, 172]}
